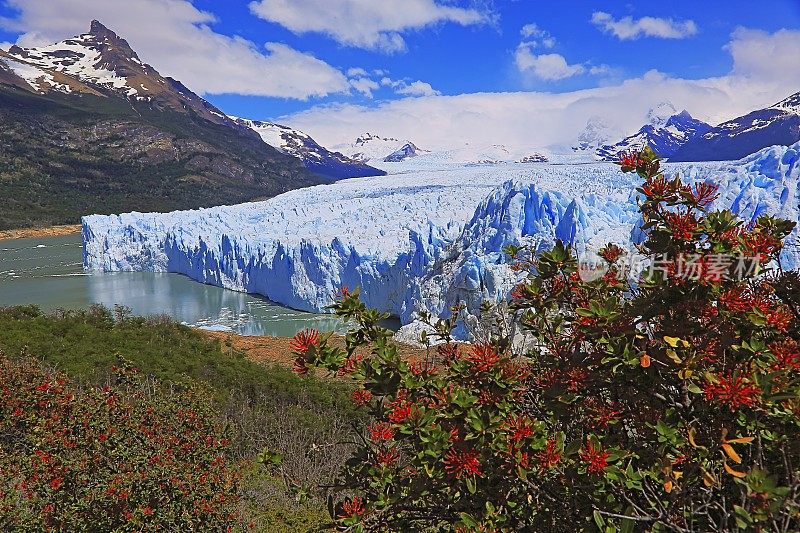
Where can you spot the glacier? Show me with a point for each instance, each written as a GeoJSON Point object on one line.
{"type": "Point", "coordinates": [422, 238]}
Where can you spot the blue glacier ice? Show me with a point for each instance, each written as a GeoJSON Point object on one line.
{"type": "Point", "coordinates": [419, 238]}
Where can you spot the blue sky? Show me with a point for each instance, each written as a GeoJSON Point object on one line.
{"type": "Point", "coordinates": [391, 54]}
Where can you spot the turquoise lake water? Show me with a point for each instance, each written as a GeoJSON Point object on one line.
{"type": "Point", "coordinates": [48, 272]}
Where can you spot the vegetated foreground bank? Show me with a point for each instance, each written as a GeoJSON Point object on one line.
{"type": "Point", "coordinates": [262, 410]}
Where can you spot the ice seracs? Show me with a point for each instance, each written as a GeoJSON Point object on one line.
{"type": "Point", "coordinates": [419, 241]}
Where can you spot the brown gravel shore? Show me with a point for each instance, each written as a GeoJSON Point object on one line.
{"type": "Point", "coordinates": [50, 231]}
{"type": "Point", "coordinates": [268, 350]}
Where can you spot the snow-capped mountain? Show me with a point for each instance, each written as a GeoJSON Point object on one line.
{"type": "Point", "coordinates": [778, 124]}
{"type": "Point", "coordinates": [318, 159]}
{"type": "Point", "coordinates": [100, 63]}
{"type": "Point", "coordinates": [404, 152]}
{"type": "Point", "coordinates": [598, 132]}
{"type": "Point", "coordinates": [664, 134]}
{"type": "Point", "coordinates": [371, 147]}
{"type": "Point", "coordinates": [125, 137]}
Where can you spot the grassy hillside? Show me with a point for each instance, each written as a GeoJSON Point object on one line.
{"type": "Point", "coordinates": [301, 419]}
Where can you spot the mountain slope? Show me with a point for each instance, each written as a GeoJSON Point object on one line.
{"type": "Point", "coordinates": [316, 158]}
{"type": "Point", "coordinates": [665, 135]}
{"type": "Point", "coordinates": [89, 128]}
{"type": "Point", "coordinates": [778, 124]}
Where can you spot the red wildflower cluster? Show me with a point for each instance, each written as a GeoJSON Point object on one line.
{"type": "Point", "coordinates": [657, 187]}
{"type": "Point", "coordinates": [760, 245]}
{"type": "Point", "coordinates": [595, 458]}
{"type": "Point", "coordinates": [303, 341]}
{"type": "Point", "coordinates": [737, 299]}
{"type": "Point", "coordinates": [519, 427]}
{"type": "Point", "coordinates": [549, 456]}
{"type": "Point", "coordinates": [380, 431]}
{"type": "Point", "coordinates": [682, 225]}
{"type": "Point", "coordinates": [705, 193]}
{"type": "Point", "coordinates": [448, 351]}
{"type": "Point", "coordinates": [361, 397]}
{"type": "Point", "coordinates": [574, 377]}
{"type": "Point", "coordinates": [600, 414]}
{"type": "Point", "coordinates": [351, 508]}
{"type": "Point", "coordinates": [462, 463]}
{"type": "Point", "coordinates": [399, 409]}
{"type": "Point", "coordinates": [629, 160]}
{"type": "Point", "coordinates": [483, 357]}
{"type": "Point", "coordinates": [787, 354]}
{"type": "Point", "coordinates": [733, 391]}
{"type": "Point", "coordinates": [611, 253]}
{"type": "Point", "coordinates": [349, 365]}
{"type": "Point", "coordinates": [387, 457]}
{"type": "Point", "coordinates": [780, 318]}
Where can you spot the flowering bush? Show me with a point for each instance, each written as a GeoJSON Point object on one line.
{"type": "Point", "coordinates": [117, 458]}
{"type": "Point", "coordinates": [670, 403]}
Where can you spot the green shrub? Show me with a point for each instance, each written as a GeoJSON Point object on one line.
{"type": "Point", "coordinates": [671, 403]}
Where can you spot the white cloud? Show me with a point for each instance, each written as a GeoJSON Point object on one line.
{"type": "Point", "coordinates": [369, 24]}
{"type": "Point", "coordinates": [630, 28]}
{"type": "Point", "coordinates": [536, 36]}
{"type": "Point", "coordinates": [178, 40]}
{"type": "Point", "coordinates": [356, 71]}
{"type": "Point", "coordinates": [364, 85]}
{"type": "Point", "coordinates": [417, 88]}
{"type": "Point", "coordinates": [766, 56]}
{"type": "Point", "coordinates": [765, 71]}
{"type": "Point", "coordinates": [549, 67]}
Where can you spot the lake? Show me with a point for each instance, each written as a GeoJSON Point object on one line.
{"type": "Point", "coordinates": [48, 272]}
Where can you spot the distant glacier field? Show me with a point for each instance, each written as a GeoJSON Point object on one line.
{"type": "Point", "coordinates": [426, 236]}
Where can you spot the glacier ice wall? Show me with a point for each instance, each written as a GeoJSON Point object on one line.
{"type": "Point", "coordinates": [416, 240]}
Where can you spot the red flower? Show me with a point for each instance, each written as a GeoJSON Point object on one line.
{"type": "Point", "coordinates": [448, 351]}
{"type": "Point", "coordinates": [519, 292]}
{"type": "Point", "coordinates": [732, 391]}
{"type": "Point", "coordinates": [760, 245]}
{"type": "Point", "coordinates": [349, 365]}
{"type": "Point", "coordinates": [629, 160]}
{"type": "Point", "coordinates": [656, 187]}
{"type": "Point", "coordinates": [549, 455]}
{"type": "Point", "coordinates": [361, 397]}
{"type": "Point", "coordinates": [56, 482]}
{"type": "Point", "coordinates": [705, 193]}
{"type": "Point", "coordinates": [387, 457]}
{"type": "Point", "coordinates": [351, 508]}
{"type": "Point", "coordinates": [462, 463]}
{"type": "Point", "coordinates": [147, 511]}
{"type": "Point", "coordinates": [519, 428]}
{"type": "Point", "coordinates": [611, 253]}
{"type": "Point", "coordinates": [595, 458]}
{"type": "Point", "coordinates": [483, 357]}
{"type": "Point", "coordinates": [737, 299]}
{"type": "Point", "coordinates": [787, 354]}
{"type": "Point", "coordinates": [574, 377]}
{"type": "Point", "coordinates": [304, 340]}
{"type": "Point", "coordinates": [379, 431]}
{"type": "Point", "coordinates": [683, 225]}
{"type": "Point", "coordinates": [17, 412]}
{"type": "Point", "coordinates": [344, 291]}
{"type": "Point", "coordinates": [780, 318]}
{"type": "Point", "coordinates": [300, 367]}
{"type": "Point", "coordinates": [400, 411]}
{"type": "Point", "coordinates": [43, 387]}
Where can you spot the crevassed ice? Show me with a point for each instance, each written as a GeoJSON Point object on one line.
{"type": "Point", "coordinates": [417, 239]}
